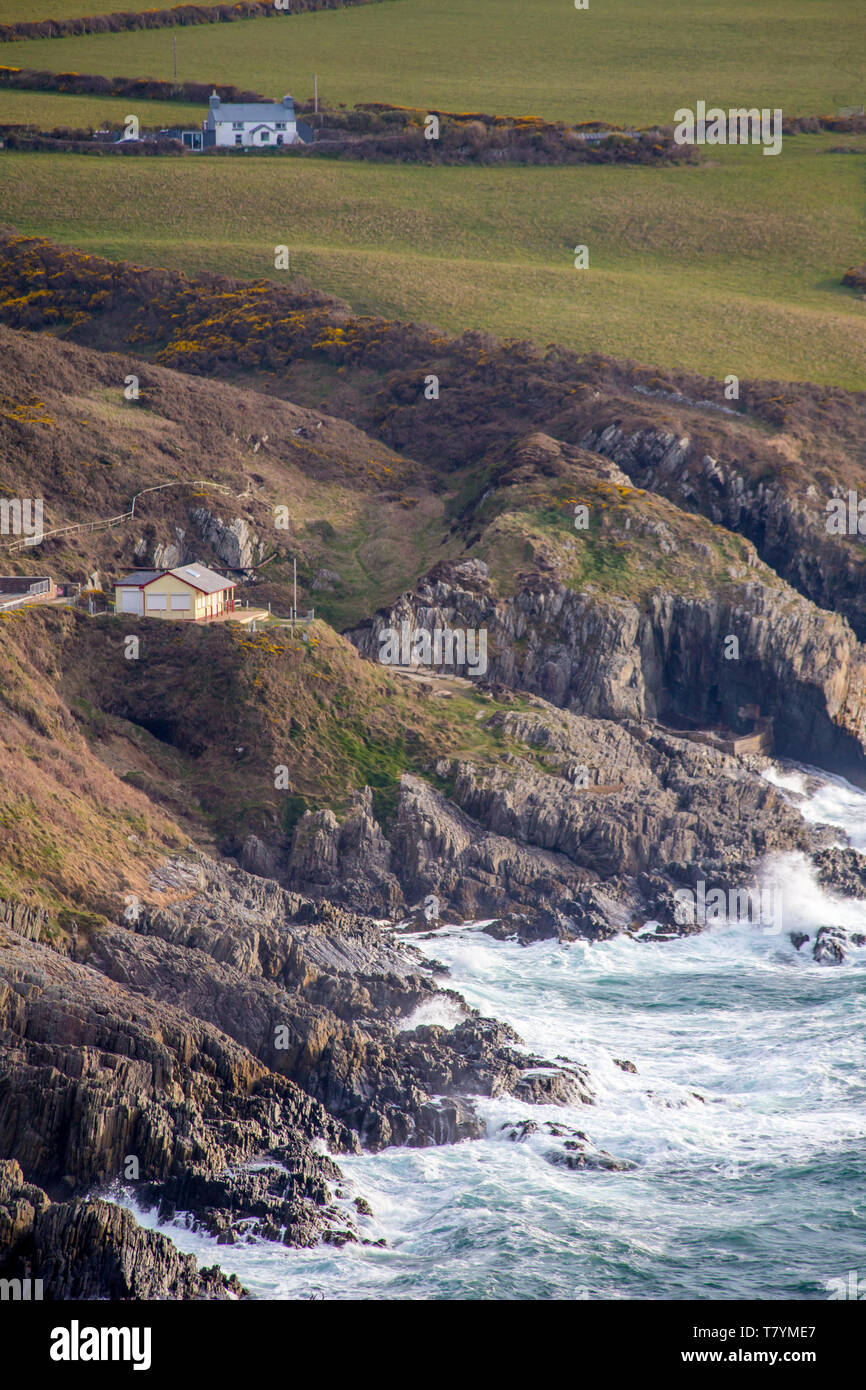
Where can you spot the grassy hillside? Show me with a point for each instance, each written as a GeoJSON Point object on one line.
{"type": "Point", "coordinates": [543, 59]}
{"type": "Point", "coordinates": [355, 507]}
{"type": "Point", "coordinates": [522, 508]}
{"type": "Point", "coordinates": [103, 776]}
{"type": "Point", "coordinates": [74, 835]}
{"type": "Point", "coordinates": [733, 265]}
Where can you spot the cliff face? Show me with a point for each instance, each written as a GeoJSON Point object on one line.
{"type": "Point", "coordinates": [229, 1021]}
{"type": "Point", "coordinates": [86, 1250]}
{"type": "Point", "coordinates": [787, 525]}
{"type": "Point", "coordinates": [671, 659]}
{"type": "Point", "coordinates": [590, 831]}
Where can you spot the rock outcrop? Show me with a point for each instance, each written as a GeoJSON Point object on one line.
{"type": "Point", "coordinates": [553, 855]}
{"type": "Point", "coordinates": [227, 1022]}
{"type": "Point", "coordinates": [788, 526]}
{"type": "Point", "coordinates": [675, 658]}
{"type": "Point", "coordinates": [93, 1249]}
{"type": "Point", "coordinates": [234, 544]}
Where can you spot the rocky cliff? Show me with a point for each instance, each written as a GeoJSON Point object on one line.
{"type": "Point", "coordinates": [209, 844]}
{"type": "Point", "coordinates": [93, 1249]}
{"type": "Point", "coordinates": [229, 1024]}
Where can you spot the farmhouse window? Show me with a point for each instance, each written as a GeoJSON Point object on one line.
{"type": "Point", "coordinates": [180, 600]}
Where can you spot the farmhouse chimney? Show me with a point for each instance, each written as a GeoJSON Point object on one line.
{"type": "Point", "coordinates": [214, 100]}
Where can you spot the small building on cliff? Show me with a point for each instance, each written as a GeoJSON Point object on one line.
{"type": "Point", "coordinates": [191, 593]}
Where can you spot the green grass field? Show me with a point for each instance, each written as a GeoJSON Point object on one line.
{"type": "Point", "coordinates": [49, 109]}
{"type": "Point", "coordinates": [19, 11]}
{"type": "Point", "coordinates": [620, 60]}
{"type": "Point", "coordinates": [730, 266]}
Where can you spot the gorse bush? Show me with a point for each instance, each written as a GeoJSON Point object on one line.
{"type": "Point", "coordinates": [217, 326]}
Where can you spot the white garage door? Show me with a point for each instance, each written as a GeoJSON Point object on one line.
{"type": "Point", "coordinates": [130, 600]}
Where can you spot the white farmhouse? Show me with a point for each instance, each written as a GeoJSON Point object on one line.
{"type": "Point", "coordinates": [254, 124]}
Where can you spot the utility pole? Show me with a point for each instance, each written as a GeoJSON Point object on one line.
{"type": "Point", "coordinates": [295, 600]}
{"type": "Point", "coordinates": [174, 46]}
{"type": "Point", "coordinates": [316, 95]}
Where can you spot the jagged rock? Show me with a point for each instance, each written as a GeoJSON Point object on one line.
{"type": "Point", "coordinates": [832, 944]}
{"type": "Point", "coordinates": [545, 857]}
{"type": "Point", "coordinates": [507, 927]}
{"type": "Point", "coordinates": [574, 1154]}
{"type": "Point", "coordinates": [259, 858]}
{"type": "Point", "coordinates": [289, 1203]}
{"type": "Point", "coordinates": [32, 922]}
{"type": "Point", "coordinates": [555, 1086]}
{"type": "Point", "coordinates": [167, 557]}
{"type": "Point", "coordinates": [233, 543]}
{"type": "Point", "coordinates": [607, 657]}
{"type": "Point", "coordinates": [94, 1249]}
{"type": "Point", "coordinates": [842, 870]}
{"type": "Point", "coordinates": [325, 580]}
{"type": "Point", "coordinates": [156, 1060]}
{"type": "Point", "coordinates": [95, 1073]}
{"type": "Point", "coordinates": [576, 1150]}
{"type": "Point", "coordinates": [786, 525]}
{"type": "Point", "coordinates": [348, 862]}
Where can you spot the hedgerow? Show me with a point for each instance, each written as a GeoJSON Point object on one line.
{"type": "Point", "coordinates": [178, 15]}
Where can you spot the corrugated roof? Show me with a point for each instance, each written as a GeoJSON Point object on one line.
{"type": "Point", "coordinates": [200, 577]}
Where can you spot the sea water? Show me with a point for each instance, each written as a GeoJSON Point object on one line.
{"type": "Point", "coordinates": [744, 1120]}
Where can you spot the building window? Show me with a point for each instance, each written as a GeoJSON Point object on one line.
{"type": "Point", "coordinates": [281, 125]}
{"type": "Point", "coordinates": [180, 601]}
{"type": "Point", "coordinates": [239, 139]}
{"type": "Point", "coordinates": [266, 135]}
{"type": "Point", "coordinates": [237, 125]}
{"type": "Point", "coordinates": [156, 601]}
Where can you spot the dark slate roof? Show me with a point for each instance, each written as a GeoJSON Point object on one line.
{"type": "Point", "coordinates": [252, 111]}
{"type": "Point", "coordinates": [9, 581]}
{"type": "Point", "coordinates": [140, 577]}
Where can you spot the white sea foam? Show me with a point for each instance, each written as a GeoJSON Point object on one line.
{"type": "Point", "coordinates": [440, 1010]}
{"type": "Point", "coordinates": [745, 1119]}
{"type": "Point", "coordinates": [822, 798]}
